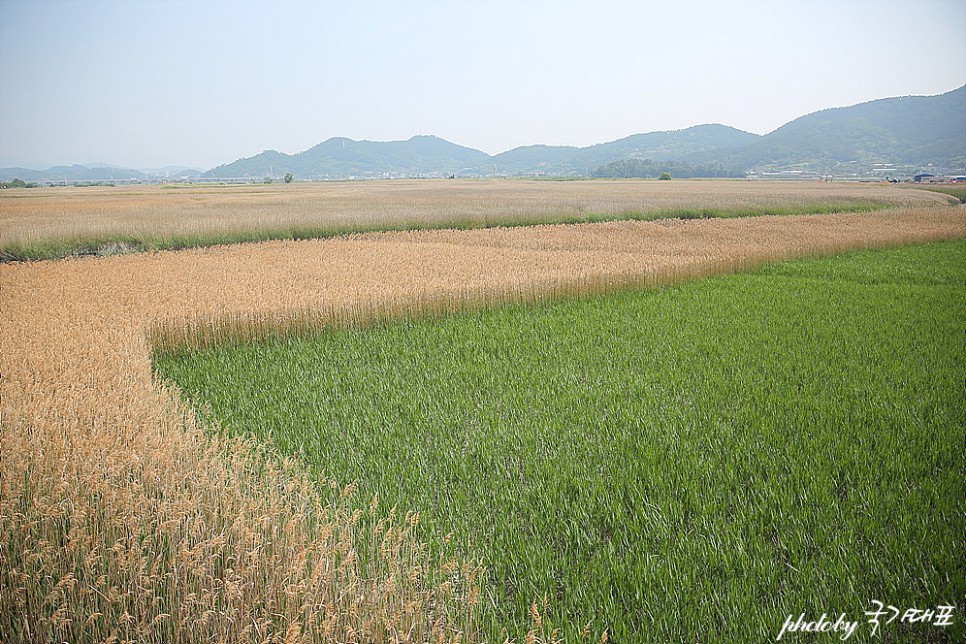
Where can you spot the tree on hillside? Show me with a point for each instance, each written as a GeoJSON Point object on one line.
{"type": "Point", "coordinates": [646, 168]}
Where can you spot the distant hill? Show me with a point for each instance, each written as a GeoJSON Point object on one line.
{"type": "Point", "coordinates": [72, 174]}
{"type": "Point", "coordinates": [656, 146]}
{"type": "Point", "coordinates": [341, 157]}
{"type": "Point", "coordinates": [911, 130]}
{"type": "Point", "coordinates": [895, 133]}
{"type": "Point", "coordinates": [678, 145]}
{"type": "Point", "coordinates": [532, 158]}
{"type": "Point", "coordinates": [430, 155]}
{"type": "Point", "coordinates": [96, 173]}
{"type": "Point", "coordinates": [906, 132]}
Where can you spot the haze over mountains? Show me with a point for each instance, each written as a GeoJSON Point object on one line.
{"type": "Point", "coordinates": [98, 172]}
{"type": "Point", "coordinates": [894, 135]}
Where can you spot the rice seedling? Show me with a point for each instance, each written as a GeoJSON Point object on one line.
{"type": "Point", "coordinates": [691, 463]}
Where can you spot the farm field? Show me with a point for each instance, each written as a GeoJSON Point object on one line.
{"type": "Point", "coordinates": [687, 463]}
{"type": "Point", "coordinates": [123, 515]}
{"type": "Point", "coordinates": [954, 190]}
{"type": "Point", "coordinates": [46, 223]}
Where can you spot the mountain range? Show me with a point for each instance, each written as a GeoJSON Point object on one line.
{"type": "Point", "coordinates": [901, 134]}
{"type": "Point", "coordinates": [98, 173]}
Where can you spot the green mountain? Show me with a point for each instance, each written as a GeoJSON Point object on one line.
{"type": "Point", "coordinates": [340, 157]}
{"type": "Point", "coordinates": [549, 159]}
{"type": "Point", "coordinates": [430, 155]}
{"type": "Point", "coordinates": [897, 133]}
{"type": "Point", "coordinates": [656, 146]}
{"type": "Point", "coordinates": [910, 131]}
{"type": "Point", "coordinates": [263, 164]}
{"type": "Point", "coordinates": [678, 145]}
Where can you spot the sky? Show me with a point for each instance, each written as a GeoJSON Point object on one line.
{"type": "Point", "coordinates": [152, 83]}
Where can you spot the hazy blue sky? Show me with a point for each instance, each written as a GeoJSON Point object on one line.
{"type": "Point", "coordinates": [145, 83]}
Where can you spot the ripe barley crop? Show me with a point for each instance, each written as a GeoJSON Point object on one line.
{"type": "Point", "coordinates": [122, 517]}
{"type": "Point", "coordinates": [45, 223]}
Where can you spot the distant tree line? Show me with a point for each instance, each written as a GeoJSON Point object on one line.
{"type": "Point", "coordinates": [648, 169]}
{"type": "Point", "coordinates": [18, 183]}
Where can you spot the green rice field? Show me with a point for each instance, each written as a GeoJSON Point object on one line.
{"type": "Point", "coordinates": [689, 463]}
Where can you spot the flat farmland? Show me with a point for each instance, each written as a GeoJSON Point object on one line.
{"type": "Point", "coordinates": [125, 514]}
{"type": "Point", "coordinates": [45, 223]}
{"type": "Point", "coordinates": [683, 463]}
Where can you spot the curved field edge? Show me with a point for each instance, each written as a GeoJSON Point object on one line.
{"type": "Point", "coordinates": [957, 191]}
{"type": "Point", "coordinates": [57, 224]}
{"type": "Point", "coordinates": [668, 465]}
{"type": "Point", "coordinates": [121, 518]}
{"type": "Point", "coordinates": [197, 539]}
{"type": "Point", "coordinates": [122, 244]}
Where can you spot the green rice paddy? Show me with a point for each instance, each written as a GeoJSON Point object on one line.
{"type": "Point", "coordinates": [689, 463]}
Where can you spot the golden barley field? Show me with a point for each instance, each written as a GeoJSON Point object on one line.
{"type": "Point", "coordinates": [157, 213]}
{"type": "Point", "coordinates": [124, 519]}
